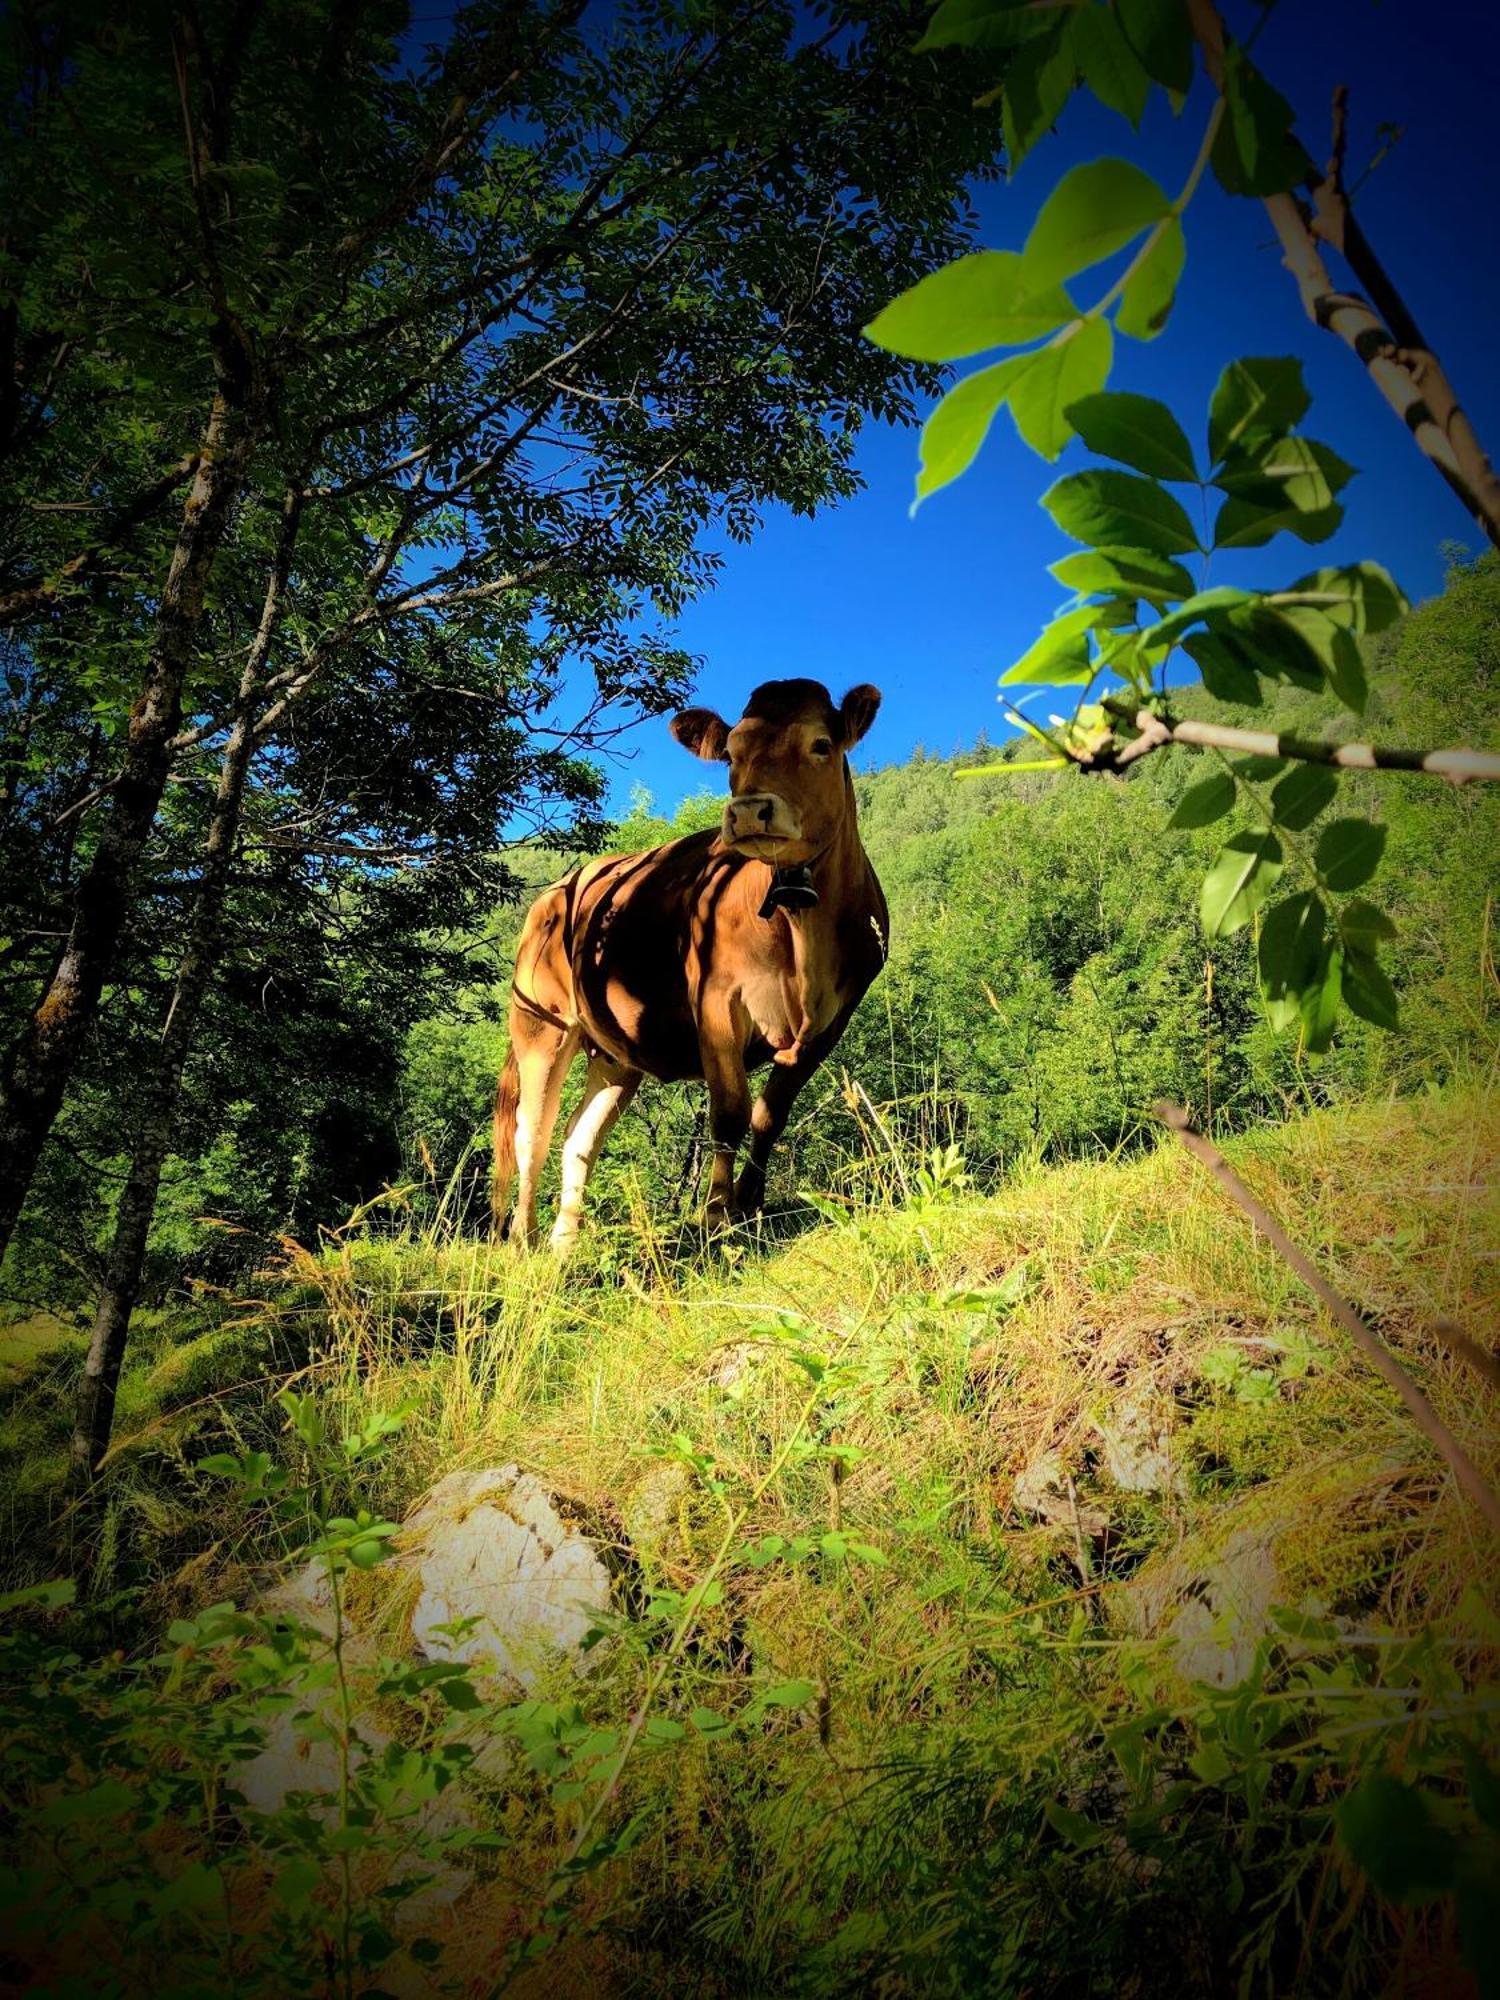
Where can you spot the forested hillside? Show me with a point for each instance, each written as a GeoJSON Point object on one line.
{"type": "Point", "coordinates": [1048, 978]}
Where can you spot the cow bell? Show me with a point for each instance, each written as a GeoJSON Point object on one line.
{"type": "Point", "coordinates": [791, 889]}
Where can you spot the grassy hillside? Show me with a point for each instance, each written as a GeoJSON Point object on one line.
{"type": "Point", "coordinates": [1014, 1593]}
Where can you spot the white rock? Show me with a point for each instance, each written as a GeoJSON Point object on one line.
{"type": "Point", "coordinates": [1214, 1609]}
{"type": "Point", "coordinates": [493, 1546]}
{"type": "Point", "coordinates": [1042, 1487]}
{"type": "Point", "coordinates": [295, 1761]}
{"type": "Point", "coordinates": [1138, 1448]}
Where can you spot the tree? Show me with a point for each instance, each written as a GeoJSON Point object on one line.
{"type": "Point", "coordinates": [347, 380]}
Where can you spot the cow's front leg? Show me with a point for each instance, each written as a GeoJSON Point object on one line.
{"type": "Point", "coordinates": [772, 1109]}
{"type": "Point", "coordinates": [722, 1048]}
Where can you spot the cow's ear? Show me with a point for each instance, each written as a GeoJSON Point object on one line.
{"type": "Point", "coordinates": [704, 733]}
{"type": "Point", "coordinates": [857, 711]}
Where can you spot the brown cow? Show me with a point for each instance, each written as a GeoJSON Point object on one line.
{"type": "Point", "coordinates": [702, 958]}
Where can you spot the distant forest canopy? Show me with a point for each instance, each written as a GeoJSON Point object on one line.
{"type": "Point", "coordinates": [1048, 979]}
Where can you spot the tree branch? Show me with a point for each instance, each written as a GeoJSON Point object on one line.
{"type": "Point", "coordinates": [1458, 767]}
{"type": "Point", "coordinates": [1404, 369]}
{"type": "Point", "coordinates": [32, 597]}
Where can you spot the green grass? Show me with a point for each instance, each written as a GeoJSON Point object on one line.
{"type": "Point", "coordinates": [977, 1792]}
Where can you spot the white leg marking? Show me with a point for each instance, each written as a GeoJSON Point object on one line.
{"type": "Point", "coordinates": [605, 1094]}
{"type": "Point", "coordinates": [542, 1075]}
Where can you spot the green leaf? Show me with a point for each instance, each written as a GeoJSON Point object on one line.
{"type": "Point", "coordinates": [1361, 597]}
{"type": "Point", "coordinates": [976, 302]}
{"type": "Point", "coordinates": [1367, 990]}
{"type": "Point", "coordinates": [1203, 803]}
{"type": "Point", "coordinates": [1039, 80]}
{"type": "Point", "coordinates": [222, 1464]}
{"type": "Point", "coordinates": [983, 24]}
{"type": "Point", "coordinates": [1061, 645]}
{"type": "Point", "coordinates": [459, 1694]}
{"type": "Point", "coordinates": [1201, 607]}
{"type": "Point", "coordinates": [52, 1596]}
{"type": "Point", "coordinates": [1151, 288]}
{"type": "Point", "coordinates": [952, 435]}
{"type": "Point", "coordinates": [1136, 430]}
{"type": "Point", "coordinates": [1108, 508]}
{"type": "Point", "coordinates": [663, 1729]}
{"type": "Point", "coordinates": [1095, 210]}
{"type": "Point", "coordinates": [295, 1883]}
{"type": "Point", "coordinates": [1363, 927]}
{"type": "Point", "coordinates": [1244, 873]}
{"type": "Point", "coordinates": [1211, 1762]}
{"type": "Point", "coordinates": [1476, 1898]}
{"type": "Point", "coordinates": [1246, 522]}
{"type": "Point", "coordinates": [1131, 572]}
{"type": "Point", "coordinates": [1389, 1830]}
{"type": "Point", "coordinates": [787, 1694]}
{"type": "Point", "coordinates": [1320, 1002]}
{"type": "Point", "coordinates": [1255, 150]}
{"type": "Point", "coordinates": [1483, 1786]}
{"type": "Point", "coordinates": [106, 1800]}
{"type": "Point", "coordinates": [1278, 485]}
{"type": "Point", "coordinates": [1160, 34]}
{"type": "Point", "coordinates": [1312, 473]}
{"type": "Point", "coordinates": [1288, 954]}
{"type": "Point", "coordinates": [1074, 1827]}
{"type": "Point", "coordinates": [1226, 670]}
{"type": "Point", "coordinates": [1349, 852]}
{"type": "Point", "coordinates": [1332, 644]}
{"type": "Point", "coordinates": [1255, 394]}
{"type": "Point", "coordinates": [1059, 377]}
{"type": "Point", "coordinates": [1273, 646]}
{"type": "Point", "coordinates": [1109, 65]}
{"type": "Point", "coordinates": [1302, 795]}
{"type": "Point", "coordinates": [708, 1722]}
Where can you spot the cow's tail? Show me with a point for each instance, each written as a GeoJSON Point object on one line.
{"type": "Point", "coordinates": [507, 1105]}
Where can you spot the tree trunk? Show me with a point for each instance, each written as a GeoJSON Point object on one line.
{"type": "Point", "coordinates": [43, 1058]}
{"type": "Point", "coordinates": [127, 1255]}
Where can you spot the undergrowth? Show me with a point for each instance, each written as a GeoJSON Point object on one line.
{"type": "Point", "coordinates": [1028, 1594]}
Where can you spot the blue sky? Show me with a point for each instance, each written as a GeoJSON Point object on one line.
{"type": "Point", "coordinates": [933, 609]}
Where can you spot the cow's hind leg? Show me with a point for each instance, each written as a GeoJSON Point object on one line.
{"type": "Point", "coordinates": [543, 1054]}
{"type": "Point", "coordinates": [607, 1089]}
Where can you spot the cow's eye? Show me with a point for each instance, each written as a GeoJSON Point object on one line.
{"type": "Point", "coordinates": [823, 747]}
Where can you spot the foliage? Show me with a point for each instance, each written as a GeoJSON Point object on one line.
{"type": "Point", "coordinates": [1134, 603]}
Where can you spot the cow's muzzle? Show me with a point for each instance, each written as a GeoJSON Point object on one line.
{"type": "Point", "coordinates": [761, 823]}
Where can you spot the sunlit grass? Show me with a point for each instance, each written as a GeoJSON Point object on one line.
{"type": "Point", "coordinates": [968, 1336]}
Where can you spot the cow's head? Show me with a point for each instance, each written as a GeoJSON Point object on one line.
{"type": "Point", "coordinates": [787, 779]}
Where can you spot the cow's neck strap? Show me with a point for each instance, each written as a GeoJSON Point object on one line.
{"type": "Point", "coordinates": [791, 889]}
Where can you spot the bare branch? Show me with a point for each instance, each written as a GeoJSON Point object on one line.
{"type": "Point", "coordinates": [1458, 767]}
{"type": "Point", "coordinates": [1378, 329]}
{"type": "Point", "coordinates": [1375, 1352]}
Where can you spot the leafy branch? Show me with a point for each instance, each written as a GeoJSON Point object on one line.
{"type": "Point", "coordinates": [1135, 613]}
